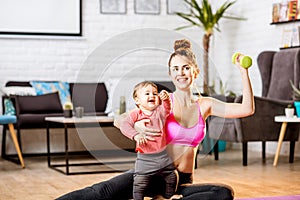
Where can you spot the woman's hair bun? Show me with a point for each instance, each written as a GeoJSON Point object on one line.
{"type": "Point", "coordinates": [184, 43]}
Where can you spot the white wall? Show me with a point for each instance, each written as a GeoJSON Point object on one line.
{"type": "Point", "coordinates": [65, 59]}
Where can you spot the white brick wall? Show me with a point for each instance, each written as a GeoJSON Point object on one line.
{"type": "Point", "coordinates": [65, 59]}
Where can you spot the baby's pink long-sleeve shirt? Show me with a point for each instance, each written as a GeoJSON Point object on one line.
{"type": "Point", "coordinates": [157, 118]}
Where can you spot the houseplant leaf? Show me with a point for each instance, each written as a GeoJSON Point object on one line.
{"type": "Point", "coordinates": [202, 15]}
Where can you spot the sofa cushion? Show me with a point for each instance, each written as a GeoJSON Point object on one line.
{"type": "Point", "coordinates": [165, 85]}
{"type": "Point", "coordinates": [92, 96]}
{"type": "Point", "coordinates": [18, 90]}
{"type": "Point", "coordinates": [37, 120]}
{"type": "Point", "coordinates": [9, 108]}
{"type": "Point", "coordinates": [285, 64]}
{"type": "Point", "coordinates": [45, 87]}
{"type": "Point", "coordinates": [47, 103]}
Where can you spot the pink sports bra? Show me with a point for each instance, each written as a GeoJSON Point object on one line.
{"type": "Point", "coordinates": [177, 134]}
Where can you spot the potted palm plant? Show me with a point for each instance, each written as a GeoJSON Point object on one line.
{"type": "Point", "coordinates": [203, 16]}
{"type": "Point", "coordinates": [296, 97]}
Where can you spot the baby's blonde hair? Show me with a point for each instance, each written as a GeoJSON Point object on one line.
{"type": "Point", "coordinates": [140, 85]}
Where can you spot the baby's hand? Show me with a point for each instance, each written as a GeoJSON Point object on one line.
{"type": "Point", "coordinates": [163, 95]}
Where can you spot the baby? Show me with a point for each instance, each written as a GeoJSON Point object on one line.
{"type": "Point", "coordinates": [152, 158]}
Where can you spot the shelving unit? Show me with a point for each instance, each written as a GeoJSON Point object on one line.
{"type": "Point", "coordinates": [286, 22]}
{"type": "Point", "coordinates": [286, 12]}
{"type": "Point", "coordinates": [282, 48]}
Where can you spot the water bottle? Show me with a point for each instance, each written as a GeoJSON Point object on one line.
{"type": "Point", "coordinates": [122, 105]}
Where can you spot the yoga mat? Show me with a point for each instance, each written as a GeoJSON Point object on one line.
{"type": "Point", "coordinates": [294, 197]}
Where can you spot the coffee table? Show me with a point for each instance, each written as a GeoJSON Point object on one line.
{"type": "Point", "coordinates": [86, 121]}
{"type": "Point", "coordinates": [284, 120]}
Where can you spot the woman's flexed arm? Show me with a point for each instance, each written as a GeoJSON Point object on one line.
{"type": "Point", "coordinates": [235, 110]}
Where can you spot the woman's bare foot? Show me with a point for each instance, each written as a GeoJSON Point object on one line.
{"type": "Point", "coordinates": [158, 197]}
{"type": "Point", "coordinates": [176, 196]}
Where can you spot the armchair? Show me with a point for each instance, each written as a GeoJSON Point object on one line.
{"type": "Point", "coordinates": [276, 69]}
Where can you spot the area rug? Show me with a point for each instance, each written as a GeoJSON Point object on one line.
{"type": "Point", "coordinates": [294, 197]}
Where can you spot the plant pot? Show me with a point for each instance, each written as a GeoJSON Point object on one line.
{"type": "Point", "coordinates": [297, 106]}
{"type": "Point", "coordinates": [289, 112]}
{"type": "Point", "coordinates": [222, 145]}
{"type": "Point", "coordinates": [68, 113]}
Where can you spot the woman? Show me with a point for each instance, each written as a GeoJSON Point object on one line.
{"type": "Point", "coordinates": [188, 113]}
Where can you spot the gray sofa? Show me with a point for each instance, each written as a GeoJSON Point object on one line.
{"type": "Point", "coordinates": [32, 110]}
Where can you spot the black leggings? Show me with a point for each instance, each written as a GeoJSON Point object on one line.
{"type": "Point", "coordinates": [121, 186]}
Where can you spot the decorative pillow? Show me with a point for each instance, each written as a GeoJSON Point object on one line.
{"type": "Point", "coordinates": [47, 103]}
{"type": "Point", "coordinates": [117, 88]}
{"type": "Point", "coordinates": [16, 90]}
{"type": "Point", "coordinates": [111, 85]}
{"type": "Point", "coordinates": [92, 96]}
{"type": "Point", "coordinates": [9, 108]}
{"type": "Point", "coordinates": [63, 88]}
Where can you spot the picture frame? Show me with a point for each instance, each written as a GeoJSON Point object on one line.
{"type": "Point", "coordinates": [113, 6]}
{"type": "Point", "coordinates": [174, 6]}
{"type": "Point", "coordinates": [45, 18]}
{"type": "Point", "coordinates": [147, 7]}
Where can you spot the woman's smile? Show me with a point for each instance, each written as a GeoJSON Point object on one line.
{"type": "Point", "coordinates": [182, 79]}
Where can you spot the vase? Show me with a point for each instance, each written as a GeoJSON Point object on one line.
{"type": "Point", "coordinates": [122, 105]}
{"type": "Point", "coordinates": [289, 112]}
{"type": "Point", "coordinates": [297, 106]}
{"type": "Point", "coordinates": [68, 113]}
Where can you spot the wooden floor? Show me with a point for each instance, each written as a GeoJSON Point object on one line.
{"type": "Point", "coordinates": [258, 179]}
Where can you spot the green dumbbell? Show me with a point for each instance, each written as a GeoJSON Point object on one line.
{"type": "Point", "coordinates": [243, 60]}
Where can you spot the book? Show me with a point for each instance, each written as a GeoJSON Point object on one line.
{"type": "Point", "coordinates": [295, 37]}
{"type": "Point", "coordinates": [286, 40]}
{"type": "Point", "coordinates": [283, 12]}
{"type": "Point", "coordinates": [292, 9]}
{"type": "Point", "coordinates": [298, 9]}
{"type": "Point", "coordinates": [276, 12]}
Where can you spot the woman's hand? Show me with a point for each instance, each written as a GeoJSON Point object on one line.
{"type": "Point", "coordinates": [241, 68]}
{"type": "Point", "coordinates": [140, 139]}
{"type": "Point", "coordinates": [148, 133]}
{"type": "Point", "coordinates": [118, 120]}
